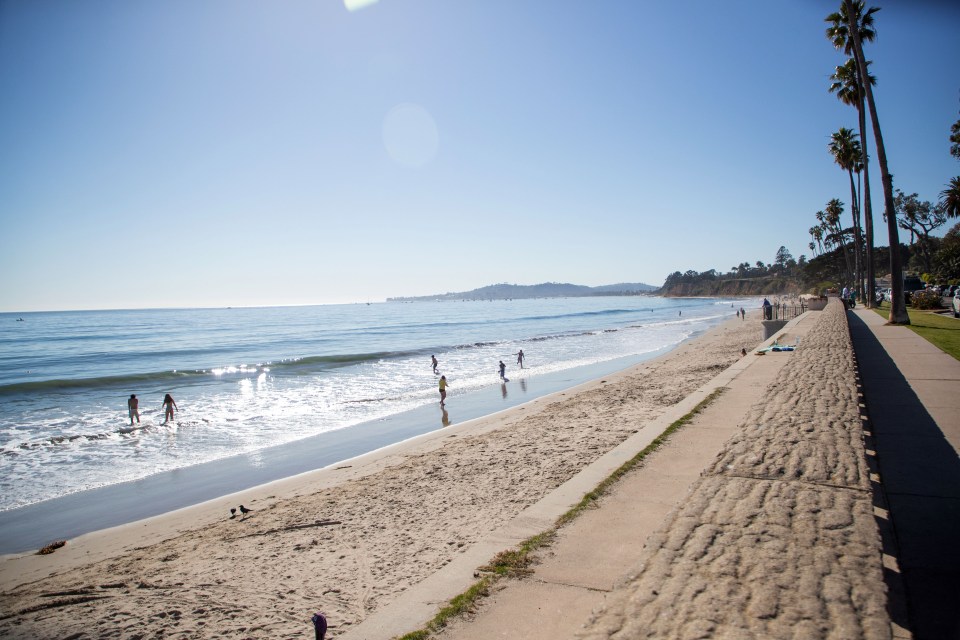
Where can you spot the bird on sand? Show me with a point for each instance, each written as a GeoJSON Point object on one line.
{"type": "Point", "coordinates": [244, 510]}
{"type": "Point", "coordinates": [233, 513]}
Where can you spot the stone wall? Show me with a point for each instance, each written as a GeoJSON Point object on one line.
{"type": "Point", "coordinates": [777, 539]}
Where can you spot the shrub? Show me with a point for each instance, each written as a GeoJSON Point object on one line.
{"type": "Point", "coordinates": [925, 299]}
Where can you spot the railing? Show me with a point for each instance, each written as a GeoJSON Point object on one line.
{"type": "Point", "coordinates": [783, 310]}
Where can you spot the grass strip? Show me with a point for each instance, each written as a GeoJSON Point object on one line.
{"type": "Point", "coordinates": [938, 329]}
{"type": "Point", "coordinates": [516, 562]}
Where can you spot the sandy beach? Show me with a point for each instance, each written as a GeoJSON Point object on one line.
{"type": "Point", "coordinates": [346, 540]}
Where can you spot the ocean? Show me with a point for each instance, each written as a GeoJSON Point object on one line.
{"type": "Point", "coordinates": [250, 380]}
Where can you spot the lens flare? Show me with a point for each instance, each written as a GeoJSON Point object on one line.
{"type": "Point", "coordinates": [410, 135]}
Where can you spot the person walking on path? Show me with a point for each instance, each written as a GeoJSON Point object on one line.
{"type": "Point", "coordinates": [433, 361]}
{"type": "Point", "coordinates": [168, 406]}
{"type": "Point", "coordinates": [519, 358]}
{"type": "Point", "coordinates": [443, 390]}
{"type": "Point", "coordinates": [503, 369]}
{"type": "Point", "coordinates": [133, 408]}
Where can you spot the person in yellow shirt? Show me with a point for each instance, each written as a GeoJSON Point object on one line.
{"type": "Point", "coordinates": [443, 390]}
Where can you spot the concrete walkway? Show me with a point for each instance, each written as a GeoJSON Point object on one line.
{"type": "Point", "coordinates": [912, 395]}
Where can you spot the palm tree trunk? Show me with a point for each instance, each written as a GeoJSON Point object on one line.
{"type": "Point", "coordinates": [867, 209]}
{"type": "Point", "coordinates": [838, 232]}
{"type": "Point", "coordinates": [898, 306]}
{"type": "Point", "coordinates": [857, 249]}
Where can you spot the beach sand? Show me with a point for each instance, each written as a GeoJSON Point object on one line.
{"type": "Point", "coordinates": [346, 540]}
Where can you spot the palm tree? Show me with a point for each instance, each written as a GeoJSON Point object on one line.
{"type": "Point", "coordinates": [849, 28]}
{"type": "Point", "coordinates": [816, 232]}
{"type": "Point", "coordinates": [832, 213]}
{"type": "Point", "coordinates": [950, 198]}
{"type": "Point", "coordinates": [845, 149]}
{"type": "Point", "coordinates": [846, 84]}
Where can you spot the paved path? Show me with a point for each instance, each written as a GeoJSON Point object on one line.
{"type": "Point", "coordinates": [912, 394]}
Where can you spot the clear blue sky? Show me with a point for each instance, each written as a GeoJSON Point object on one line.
{"type": "Point", "coordinates": [234, 152]}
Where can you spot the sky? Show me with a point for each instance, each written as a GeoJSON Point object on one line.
{"type": "Point", "coordinates": [173, 153]}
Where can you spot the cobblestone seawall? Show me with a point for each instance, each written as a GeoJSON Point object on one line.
{"type": "Point", "coordinates": [777, 539]}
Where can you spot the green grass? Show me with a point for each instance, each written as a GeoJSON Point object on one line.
{"type": "Point", "coordinates": [516, 562]}
{"type": "Point", "coordinates": [940, 330]}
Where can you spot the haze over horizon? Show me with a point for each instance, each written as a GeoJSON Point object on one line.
{"type": "Point", "coordinates": [214, 154]}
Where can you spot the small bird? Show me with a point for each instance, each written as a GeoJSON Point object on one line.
{"type": "Point", "coordinates": [233, 513]}
{"type": "Point", "coordinates": [244, 510]}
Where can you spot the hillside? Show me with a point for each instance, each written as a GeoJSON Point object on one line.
{"type": "Point", "coordinates": [506, 291]}
{"type": "Point", "coordinates": [732, 287]}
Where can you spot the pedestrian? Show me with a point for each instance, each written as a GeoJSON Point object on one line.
{"type": "Point", "coordinates": [433, 360]}
{"type": "Point", "coordinates": [443, 390]}
{"type": "Point", "coordinates": [767, 309]}
{"type": "Point", "coordinates": [519, 358]}
{"type": "Point", "coordinates": [168, 406]}
{"type": "Point", "coordinates": [743, 314]}
{"type": "Point", "coordinates": [503, 369]}
{"type": "Point", "coordinates": [133, 408]}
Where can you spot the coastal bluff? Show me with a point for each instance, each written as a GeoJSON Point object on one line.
{"type": "Point", "coordinates": [778, 538]}
{"type": "Point", "coordinates": [731, 287]}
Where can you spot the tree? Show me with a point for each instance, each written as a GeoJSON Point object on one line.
{"type": "Point", "coordinates": [920, 219]}
{"type": "Point", "coordinates": [816, 232]}
{"type": "Point", "coordinates": [832, 213]}
{"type": "Point", "coordinates": [849, 27]}
{"type": "Point", "coordinates": [950, 198]}
{"type": "Point", "coordinates": [845, 149]}
{"type": "Point", "coordinates": [783, 260]}
{"type": "Point", "coordinates": [955, 139]}
{"type": "Point", "coordinates": [947, 260]}
{"type": "Point", "coordinates": [847, 86]}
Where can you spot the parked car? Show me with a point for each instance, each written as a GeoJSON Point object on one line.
{"type": "Point", "coordinates": [911, 284]}
{"type": "Point", "coordinates": [956, 306]}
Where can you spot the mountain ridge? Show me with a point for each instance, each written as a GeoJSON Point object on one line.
{"type": "Point", "coordinates": [505, 291]}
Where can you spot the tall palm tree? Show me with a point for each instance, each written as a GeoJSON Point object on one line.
{"type": "Point", "coordinates": [845, 149]}
{"type": "Point", "coordinates": [849, 28]}
{"type": "Point", "coordinates": [846, 84]}
{"type": "Point", "coordinates": [950, 198]}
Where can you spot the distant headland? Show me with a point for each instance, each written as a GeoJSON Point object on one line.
{"type": "Point", "coordinates": [506, 291]}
